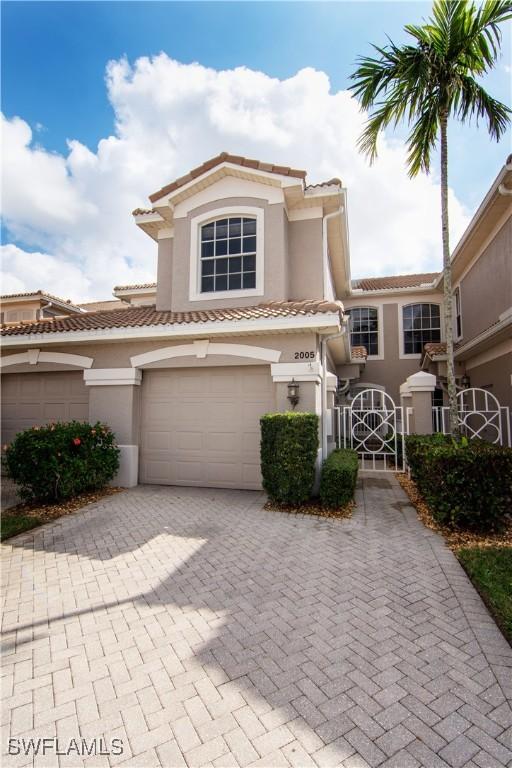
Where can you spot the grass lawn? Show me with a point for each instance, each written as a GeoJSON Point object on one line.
{"type": "Point", "coordinates": [13, 524]}
{"type": "Point", "coordinates": [23, 517]}
{"type": "Point", "coordinates": [490, 570]}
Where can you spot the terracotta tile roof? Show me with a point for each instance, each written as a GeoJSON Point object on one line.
{"type": "Point", "coordinates": [134, 287]}
{"type": "Point", "coordinates": [133, 317]}
{"type": "Point", "coordinates": [332, 182]}
{"type": "Point", "coordinates": [96, 306]}
{"type": "Point", "coordinates": [41, 295]}
{"type": "Point", "coordinates": [143, 211]}
{"type": "Point", "coordinates": [225, 157]}
{"type": "Point", "coordinates": [394, 281]}
{"type": "Point", "coordinates": [435, 348]}
{"type": "Point", "coordinates": [359, 353]}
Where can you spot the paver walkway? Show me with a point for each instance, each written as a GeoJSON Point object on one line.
{"type": "Point", "coordinates": [202, 630]}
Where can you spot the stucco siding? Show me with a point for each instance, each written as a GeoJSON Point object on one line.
{"type": "Point", "coordinates": [486, 290]}
{"type": "Point", "coordinates": [117, 355]}
{"type": "Point", "coordinates": [496, 377]}
{"type": "Point", "coordinates": [393, 370]}
{"type": "Point", "coordinates": [275, 283]}
{"type": "Point", "coordinates": [305, 258]}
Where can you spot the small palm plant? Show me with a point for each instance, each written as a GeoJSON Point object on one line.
{"type": "Point", "coordinates": [425, 83]}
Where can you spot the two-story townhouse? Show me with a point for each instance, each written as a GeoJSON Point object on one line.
{"type": "Point", "coordinates": [250, 268]}
{"type": "Point", "coordinates": [253, 294]}
{"type": "Point", "coordinates": [482, 287]}
{"type": "Point", "coordinates": [35, 305]}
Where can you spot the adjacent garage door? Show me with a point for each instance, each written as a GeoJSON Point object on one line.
{"type": "Point", "coordinates": [201, 426]}
{"type": "Point", "coordinates": [34, 399]}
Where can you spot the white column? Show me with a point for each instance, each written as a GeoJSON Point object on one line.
{"type": "Point", "coordinates": [421, 385]}
{"type": "Point", "coordinates": [114, 400]}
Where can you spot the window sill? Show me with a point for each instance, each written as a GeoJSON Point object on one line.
{"type": "Point", "coordinates": [213, 295]}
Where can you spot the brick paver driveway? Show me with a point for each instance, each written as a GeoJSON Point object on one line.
{"type": "Point", "coordinates": [202, 630]}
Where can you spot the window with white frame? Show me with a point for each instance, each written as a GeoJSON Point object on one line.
{"type": "Point", "coordinates": [421, 324]}
{"type": "Point", "coordinates": [458, 314]}
{"type": "Point", "coordinates": [228, 254]}
{"type": "Point", "coordinates": [364, 329]}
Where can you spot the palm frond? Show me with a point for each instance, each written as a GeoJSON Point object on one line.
{"type": "Point", "coordinates": [475, 102]}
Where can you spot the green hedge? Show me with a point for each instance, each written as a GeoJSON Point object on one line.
{"type": "Point", "coordinates": [289, 447]}
{"type": "Point", "coordinates": [339, 477]}
{"type": "Point", "coordinates": [61, 460]}
{"type": "Point", "coordinates": [467, 484]}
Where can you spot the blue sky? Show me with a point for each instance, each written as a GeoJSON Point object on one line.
{"type": "Point", "coordinates": [54, 57]}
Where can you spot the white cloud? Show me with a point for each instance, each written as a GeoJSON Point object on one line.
{"type": "Point", "coordinates": [170, 117]}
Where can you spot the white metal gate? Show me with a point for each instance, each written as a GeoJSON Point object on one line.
{"type": "Point", "coordinates": [372, 425]}
{"type": "Point", "coordinates": [480, 415]}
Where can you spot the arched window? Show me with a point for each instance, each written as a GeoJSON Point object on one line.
{"type": "Point", "coordinates": [421, 324]}
{"type": "Point", "coordinates": [228, 254]}
{"type": "Point", "coordinates": [364, 328]}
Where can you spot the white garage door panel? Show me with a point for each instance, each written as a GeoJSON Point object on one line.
{"type": "Point", "coordinates": [34, 399]}
{"type": "Point", "coordinates": [201, 427]}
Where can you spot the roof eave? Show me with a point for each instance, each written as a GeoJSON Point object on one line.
{"type": "Point", "coordinates": [320, 320]}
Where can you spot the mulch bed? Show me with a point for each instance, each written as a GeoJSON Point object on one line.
{"type": "Point", "coordinates": [47, 512]}
{"type": "Point", "coordinates": [312, 508]}
{"type": "Point", "coordinates": [455, 539]}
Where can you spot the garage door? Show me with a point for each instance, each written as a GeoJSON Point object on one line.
{"type": "Point", "coordinates": [201, 426]}
{"type": "Point", "coordinates": [34, 399]}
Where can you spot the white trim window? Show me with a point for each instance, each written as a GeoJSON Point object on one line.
{"type": "Point", "coordinates": [364, 328]}
{"type": "Point", "coordinates": [226, 257]}
{"type": "Point", "coordinates": [228, 254]}
{"type": "Point", "coordinates": [421, 324]}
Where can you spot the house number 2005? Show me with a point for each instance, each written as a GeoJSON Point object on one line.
{"type": "Point", "coordinates": [304, 355]}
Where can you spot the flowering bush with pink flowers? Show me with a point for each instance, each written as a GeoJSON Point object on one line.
{"type": "Point", "coordinates": [61, 460]}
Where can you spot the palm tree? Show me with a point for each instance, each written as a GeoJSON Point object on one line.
{"type": "Point", "coordinates": [425, 83]}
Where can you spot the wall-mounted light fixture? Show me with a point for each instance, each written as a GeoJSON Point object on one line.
{"type": "Point", "coordinates": [465, 381]}
{"type": "Point", "coordinates": [293, 393]}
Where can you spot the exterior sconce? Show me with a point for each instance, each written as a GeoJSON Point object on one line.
{"type": "Point", "coordinates": [465, 381]}
{"type": "Point", "coordinates": [293, 393]}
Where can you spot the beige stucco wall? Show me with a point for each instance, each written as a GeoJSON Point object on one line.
{"type": "Point", "coordinates": [486, 290]}
{"type": "Point", "coordinates": [305, 258]}
{"type": "Point", "coordinates": [275, 286]}
{"type": "Point", "coordinates": [17, 311]}
{"type": "Point", "coordinates": [117, 355]}
{"type": "Point", "coordinates": [292, 259]}
{"type": "Point", "coordinates": [119, 407]}
{"type": "Point", "coordinates": [496, 377]}
{"type": "Point", "coordinates": [392, 370]}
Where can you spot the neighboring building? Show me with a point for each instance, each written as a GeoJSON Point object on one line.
{"type": "Point", "coordinates": [35, 305]}
{"type": "Point", "coordinates": [393, 318]}
{"type": "Point", "coordinates": [482, 286]}
{"type": "Point", "coordinates": [253, 292]}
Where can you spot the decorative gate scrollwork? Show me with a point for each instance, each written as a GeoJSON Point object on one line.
{"type": "Point", "coordinates": [373, 426]}
{"type": "Point", "coordinates": [480, 415]}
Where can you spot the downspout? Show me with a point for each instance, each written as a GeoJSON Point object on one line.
{"type": "Point", "coordinates": [325, 250]}
{"type": "Point", "coordinates": [323, 354]}
{"type": "Point", "coordinates": [323, 345]}
{"type": "Point", "coordinates": [40, 312]}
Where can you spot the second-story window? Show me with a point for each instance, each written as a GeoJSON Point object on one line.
{"type": "Point", "coordinates": [228, 254]}
{"type": "Point", "coordinates": [364, 329]}
{"type": "Point", "coordinates": [421, 324]}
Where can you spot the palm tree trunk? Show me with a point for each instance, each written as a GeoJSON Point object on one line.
{"type": "Point", "coordinates": [447, 275]}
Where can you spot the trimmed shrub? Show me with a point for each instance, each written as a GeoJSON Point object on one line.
{"type": "Point", "coordinates": [61, 460]}
{"type": "Point", "coordinates": [289, 446]}
{"type": "Point", "coordinates": [339, 477]}
{"type": "Point", "coordinates": [466, 483]}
